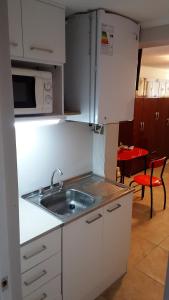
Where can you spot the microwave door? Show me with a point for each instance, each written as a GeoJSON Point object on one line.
{"type": "Point", "coordinates": [24, 94]}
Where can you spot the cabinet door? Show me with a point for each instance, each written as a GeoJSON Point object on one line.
{"type": "Point", "coordinates": [82, 257]}
{"type": "Point", "coordinates": [43, 31]}
{"type": "Point", "coordinates": [15, 28]}
{"type": "Point", "coordinates": [116, 68]}
{"type": "Point", "coordinates": [117, 228]}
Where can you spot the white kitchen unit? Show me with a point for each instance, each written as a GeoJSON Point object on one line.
{"type": "Point", "coordinates": [42, 31]}
{"type": "Point", "coordinates": [15, 28]}
{"type": "Point", "coordinates": [41, 267]}
{"type": "Point", "coordinates": [95, 250]}
{"type": "Point", "coordinates": [100, 73]}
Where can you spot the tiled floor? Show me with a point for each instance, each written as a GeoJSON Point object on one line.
{"type": "Point", "coordinates": [149, 251]}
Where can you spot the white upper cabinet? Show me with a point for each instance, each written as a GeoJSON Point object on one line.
{"type": "Point", "coordinates": [37, 31]}
{"type": "Point", "coordinates": [43, 31]}
{"type": "Point", "coordinates": [100, 73]}
{"type": "Point", "coordinates": [15, 28]}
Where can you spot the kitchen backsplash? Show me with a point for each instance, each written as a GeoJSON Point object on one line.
{"type": "Point", "coordinates": [40, 150]}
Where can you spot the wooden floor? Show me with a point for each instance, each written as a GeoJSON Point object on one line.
{"type": "Point", "coordinates": [149, 251]}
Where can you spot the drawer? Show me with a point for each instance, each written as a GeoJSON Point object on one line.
{"type": "Point", "coordinates": [40, 249]}
{"type": "Point", "coordinates": [41, 274]}
{"type": "Point", "coordinates": [49, 291]}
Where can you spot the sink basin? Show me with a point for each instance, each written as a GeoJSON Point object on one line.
{"type": "Point", "coordinates": [67, 202]}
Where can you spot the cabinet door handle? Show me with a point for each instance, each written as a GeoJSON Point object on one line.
{"type": "Point", "coordinates": [41, 49]}
{"type": "Point", "coordinates": [155, 115]}
{"type": "Point", "coordinates": [31, 281]}
{"type": "Point", "coordinates": [43, 248]}
{"type": "Point", "coordinates": [42, 297]}
{"type": "Point", "coordinates": [94, 219]}
{"type": "Point", "coordinates": [167, 122]}
{"type": "Point", "coordinates": [158, 115]}
{"type": "Point", "coordinates": [113, 208]}
{"type": "Point", "coordinates": [143, 126]}
{"type": "Point", "coordinates": [14, 44]}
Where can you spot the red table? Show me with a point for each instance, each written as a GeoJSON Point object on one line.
{"type": "Point", "coordinates": [129, 154]}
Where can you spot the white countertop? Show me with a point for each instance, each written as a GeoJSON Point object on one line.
{"type": "Point", "coordinates": [34, 221]}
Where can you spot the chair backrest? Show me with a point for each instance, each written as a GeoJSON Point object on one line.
{"type": "Point", "coordinates": [156, 163]}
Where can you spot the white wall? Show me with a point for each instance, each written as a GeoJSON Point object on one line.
{"type": "Point", "coordinates": [154, 73]}
{"type": "Point", "coordinates": [41, 149]}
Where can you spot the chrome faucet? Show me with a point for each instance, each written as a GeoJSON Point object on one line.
{"type": "Point", "coordinates": [60, 182]}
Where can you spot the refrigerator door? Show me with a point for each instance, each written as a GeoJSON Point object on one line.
{"type": "Point", "coordinates": [116, 63]}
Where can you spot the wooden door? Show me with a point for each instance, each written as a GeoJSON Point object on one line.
{"type": "Point", "coordinates": [138, 125]}
{"type": "Point", "coordinates": [43, 31]}
{"type": "Point", "coordinates": [149, 123]}
{"type": "Point", "coordinates": [161, 133]}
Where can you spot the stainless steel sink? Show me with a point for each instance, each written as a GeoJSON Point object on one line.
{"type": "Point", "coordinates": [67, 202]}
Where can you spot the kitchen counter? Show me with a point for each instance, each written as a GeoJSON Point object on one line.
{"type": "Point", "coordinates": [35, 221]}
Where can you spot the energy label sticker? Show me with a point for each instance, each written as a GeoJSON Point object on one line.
{"type": "Point", "coordinates": [107, 39]}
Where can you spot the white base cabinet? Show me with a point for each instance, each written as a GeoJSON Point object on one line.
{"type": "Point", "coordinates": [116, 239]}
{"type": "Point", "coordinates": [82, 257]}
{"type": "Point", "coordinates": [95, 250]}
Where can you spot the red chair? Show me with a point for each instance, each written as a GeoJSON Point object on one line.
{"type": "Point", "coordinates": [152, 181]}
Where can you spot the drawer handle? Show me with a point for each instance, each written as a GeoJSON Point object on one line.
{"type": "Point", "coordinates": [43, 248]}
{"type": "Point", "coordinates": [44, 296]}
{"type": "Point", "coordinates": [114, 208]}
{"type": "Point", "coordinates": [31, 281]}
{"type": "Point", "coordinates": [94, 219]}
{"type": "Point", "coordinates": [41, 49]}
{"type": "Point", "coordinates": [14, 44]}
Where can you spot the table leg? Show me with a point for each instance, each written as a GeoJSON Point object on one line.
{"type": "Point", "coordinates": [145, 164]}
{"type": "Point", "coordinates": [122, 169]}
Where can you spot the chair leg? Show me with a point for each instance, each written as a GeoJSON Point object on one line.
{"type": "Point", "coordinates": [151, 194]}
{"type": "Point", "coordinates": [142, 191]}
{"type": "Point", "coordinates": [164, 207]}
{"type": "Point", "coordinates": [131, 183]}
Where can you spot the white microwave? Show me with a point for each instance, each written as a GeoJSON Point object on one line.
{"type": "Point", "coordinates": [32, 91]}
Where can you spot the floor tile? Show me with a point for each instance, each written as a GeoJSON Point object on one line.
{"type": "Point", "coordinates": [135, 286]}
{"type": "Point", "coordinates": [165, 244]}
{"type": "Point", "coordinates": [155, 264]}
{"type": "Point", "coordinates": [152, 231]}
{"type": "Point", "coordinates": [139, 249]}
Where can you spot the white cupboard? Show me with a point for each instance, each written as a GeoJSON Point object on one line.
{"type": "Point", "coordinates": [82, 257]}
{"type": "Point", "coordinates": [15, 28]}
{"type": "Point", "coordinates": [43, 31]}
{"type": "Point", "coordinates": [100, 73]}
{"type": "Point", "coordinates": [95, 250]}
{"type": "Point", "coordinates": [37, 31]}
{"type": "Point", "coordinates": [117, 228]}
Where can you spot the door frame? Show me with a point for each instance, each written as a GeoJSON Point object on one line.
{"type": "Point", "coordinates": [9, 211]}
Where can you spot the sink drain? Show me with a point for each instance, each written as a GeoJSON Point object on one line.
{"type": "Point", "coordinates": [72, 206]}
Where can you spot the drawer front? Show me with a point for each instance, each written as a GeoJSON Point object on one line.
{"type": "Point", "coordinates": [39, 275]}
{"type": "Point", "coordinates": [40, 249]}
{"type": "Point", "coordinates": [49, 291]}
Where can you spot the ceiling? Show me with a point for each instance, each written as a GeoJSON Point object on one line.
{"type": "Point", "coordinates": [156, 57]}
{"type": "Point", "coordinates": [147, 12]}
